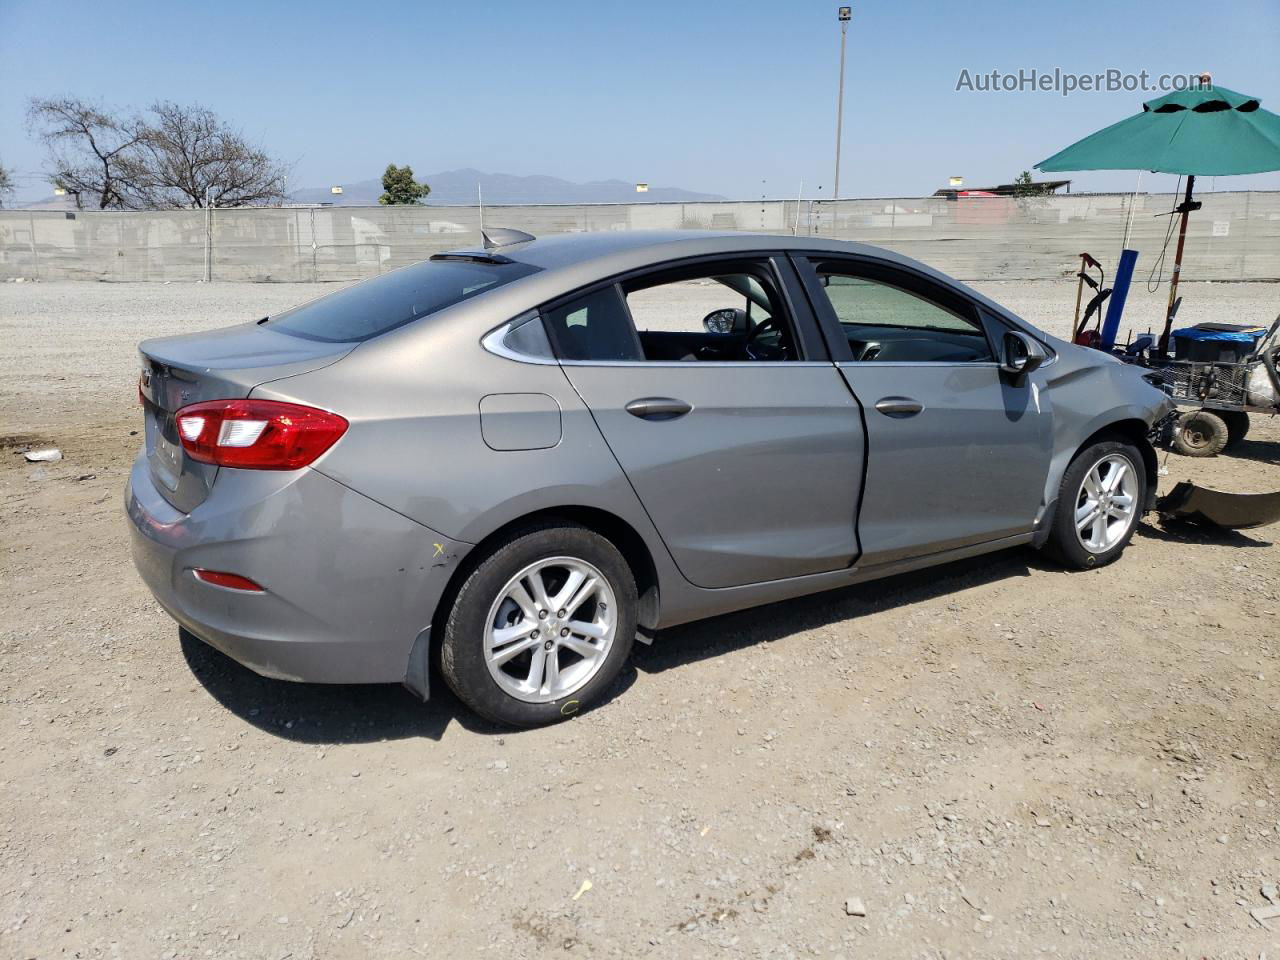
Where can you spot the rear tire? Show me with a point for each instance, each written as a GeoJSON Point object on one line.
{"type": "Point", "coordinates": [541, 627]}
{"type": "Point", "coordinates": [1106, 480]}
{"type": "Point", "coordinates": [1237, 422]}
{"type": "Point", "coordinates": [1200, 433]}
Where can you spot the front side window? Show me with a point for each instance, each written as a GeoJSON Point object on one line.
{"type": "Point", "coordinates": [892, 318]}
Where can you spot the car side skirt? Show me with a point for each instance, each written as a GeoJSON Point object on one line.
{"type": "Point", "coordinates": [699, 604]}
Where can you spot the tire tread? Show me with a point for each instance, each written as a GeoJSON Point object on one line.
{"type": "Point", "coordinates": [1212, 423]}
{"type": "Point", "coordinates": [1063, 545]}
{"type": "Point", "coordinates": [468, 677]}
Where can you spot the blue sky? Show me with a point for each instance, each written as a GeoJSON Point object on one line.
{"type": "Point", "coordinates": [733, 98]}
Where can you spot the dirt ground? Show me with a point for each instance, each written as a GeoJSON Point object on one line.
{"type": "Point", "coordinates": [996, 758]}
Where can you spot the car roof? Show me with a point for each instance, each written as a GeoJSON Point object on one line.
{"type": "Point", "coordinates": [650, 246]}
{"type": "Point", "coordinates": [573, 260]}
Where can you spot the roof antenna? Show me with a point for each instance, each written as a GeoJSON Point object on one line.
{"type": "Point", "coordinates": [484, 241]}
{"type": "Point", "coordinates": [504, 237]}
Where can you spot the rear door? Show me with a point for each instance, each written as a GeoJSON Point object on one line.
{"type": "Point", "coordinates": [957, 453]}
{"type": "Point", "coordinates": [740, 437]}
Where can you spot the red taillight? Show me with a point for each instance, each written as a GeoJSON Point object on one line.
{"type": "Point", "coordinates": [257, 434]}
{"type": "Point", "coordinates": [232, 581]}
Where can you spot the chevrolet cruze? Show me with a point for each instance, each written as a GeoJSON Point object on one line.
{"type": "Point", "coordinates": [503, 466]}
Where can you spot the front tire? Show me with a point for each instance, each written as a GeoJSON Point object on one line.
{"type": "Point", "coordinates": [541, 627]}
{"type": "Point", "coordinates": [1099, 503]}
{"type": "Point", "coordinates": [1200, 434]}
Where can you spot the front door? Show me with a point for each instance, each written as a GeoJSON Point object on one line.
{"type": "Point", "coordinates": [957, 453]}
{"type": "Point", "coordinates": [745, 451]}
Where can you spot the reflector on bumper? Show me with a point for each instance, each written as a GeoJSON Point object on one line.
{"type": "Point", "coordinates": [232, 581]}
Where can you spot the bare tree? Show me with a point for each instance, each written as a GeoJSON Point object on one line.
{"type": "Point", "coordinates": [172, 157]}
{"type": "Point", "coordinates": [89, 147]}
{"type": "Point", "coordinates": [189, 156]}
{"type": "Point", "coordinates": [6, 183]}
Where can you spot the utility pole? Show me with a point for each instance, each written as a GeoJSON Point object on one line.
{"type": "Point", "coordinates": [208, 233]}
{"type": "Point", "coordinates": [846, 14]}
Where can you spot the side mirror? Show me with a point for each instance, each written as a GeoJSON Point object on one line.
{"type": "Point", "coordinates": [1021, 355]}
{"type": "Point", "coordinates": [728, 320]}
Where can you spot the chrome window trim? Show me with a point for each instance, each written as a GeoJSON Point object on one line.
{"type": "Point", "coordinates": [1049, 361]}
{"type": "Point", "coordinates": [493, 342]}
{"type": "Point", "coordinates": [959, 365]}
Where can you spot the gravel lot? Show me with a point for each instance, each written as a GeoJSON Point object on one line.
{"type": "Point", "coordinates": [993, 759]}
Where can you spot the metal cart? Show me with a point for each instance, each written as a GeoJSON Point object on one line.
{"type": "Point", "coordinates": [1219, 396]}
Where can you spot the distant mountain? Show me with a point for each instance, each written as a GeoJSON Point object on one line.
{"type": "Point", "coordinates": [459, 187]}
{"type": "Point", "coordinates": [64, 202]}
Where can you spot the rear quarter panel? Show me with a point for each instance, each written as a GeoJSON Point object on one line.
{"type": "Point", "coordinates": [416, 442]}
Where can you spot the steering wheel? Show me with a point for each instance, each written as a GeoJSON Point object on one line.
{"type": "Point", "coordinates": [765, 351]}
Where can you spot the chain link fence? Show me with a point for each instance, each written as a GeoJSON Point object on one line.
{"type": "Point", "coordinates": [1236, 236]}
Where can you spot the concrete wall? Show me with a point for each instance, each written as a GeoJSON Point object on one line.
{"type": "Point", "coordinates": [1236, 236]}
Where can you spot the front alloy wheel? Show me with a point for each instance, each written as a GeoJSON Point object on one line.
{"type": "Point", "coordinates": [1106, 504]}
{"type": "Point", "coordinates": [1100, 499]}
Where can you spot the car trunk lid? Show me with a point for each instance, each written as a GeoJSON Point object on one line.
{"type": "Point", "coordinates": [215, 365]}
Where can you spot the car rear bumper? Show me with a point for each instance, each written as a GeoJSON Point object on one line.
{"type": "Point", "coordinates": [348, 584]}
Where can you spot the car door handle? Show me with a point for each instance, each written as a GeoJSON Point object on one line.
{"type": "Point", "coordinates": [899, 406]}
{"type": "Point", "coordinates": [658, 408]}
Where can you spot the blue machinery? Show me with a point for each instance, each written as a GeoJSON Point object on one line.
{"type": "Point", "coordinates": [1119, 293]}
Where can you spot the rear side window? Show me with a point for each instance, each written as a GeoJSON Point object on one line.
{"type": "Point", "coordinates": [394, 299]}
{"type": "Point", "coordinates": [594, 327]}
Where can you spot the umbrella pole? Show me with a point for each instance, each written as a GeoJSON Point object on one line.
{"type": "Point", "coordinates": [1184, 208]}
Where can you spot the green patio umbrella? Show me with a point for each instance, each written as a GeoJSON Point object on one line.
{"type": "Point", "coordinates": [1210, 131]}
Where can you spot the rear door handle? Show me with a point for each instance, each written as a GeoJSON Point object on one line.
{"type": "Point", "coordinates": [899, 406]}
{"type": "Point", "coordinates": [658, 408]}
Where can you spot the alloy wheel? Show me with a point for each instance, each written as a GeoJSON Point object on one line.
{"type": "Point", "coordinates": [550, 629]}
{"type": "Point", "coordinates": [1106, 504]}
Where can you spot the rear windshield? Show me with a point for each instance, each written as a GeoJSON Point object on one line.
{"type": "Point", "coordinates": [394, 299]}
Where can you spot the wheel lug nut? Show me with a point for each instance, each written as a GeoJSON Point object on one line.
{"type": "Point", "coordinates": [542, 614]}
{"type": "Point", "coordinates": [564, 632]}
{"type": "Point", "coordinates": [548, 645]}
{"type": "Point", "coordinates": [534, 635]}
{"type": "Point", "coordinates": [559, 614]}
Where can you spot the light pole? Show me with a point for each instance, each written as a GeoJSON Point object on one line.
{"type": "Point", "coordinates": [208, 233]}
{"type": "Point", "coordinates": [846, 14]}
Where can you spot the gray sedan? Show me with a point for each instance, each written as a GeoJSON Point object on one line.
{"type": "Point", "coordinates": [506, 465]}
